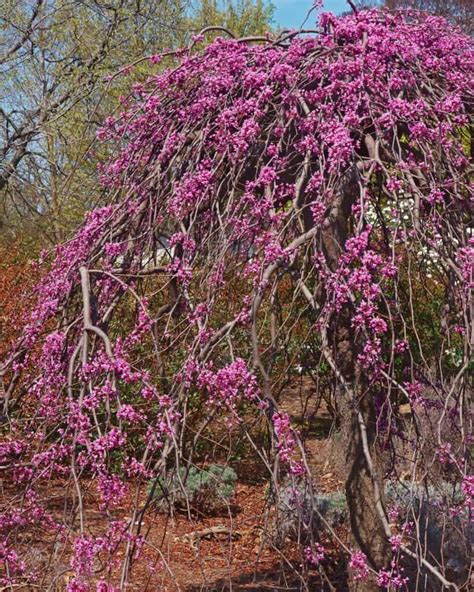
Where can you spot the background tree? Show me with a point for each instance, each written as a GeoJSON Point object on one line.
{"type": "Point", "coordinates": [55, 58]}
{"type": "Point", "coordinates": [460, 12]}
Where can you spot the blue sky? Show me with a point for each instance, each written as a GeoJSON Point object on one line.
{"type": "Point", "coordinates": [291, 13]}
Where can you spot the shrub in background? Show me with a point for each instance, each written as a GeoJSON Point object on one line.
{"type": "Point", "coordinates": [206, 490]}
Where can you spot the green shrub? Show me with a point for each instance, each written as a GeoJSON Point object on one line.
{"type": "Point", "coordinates": [206, 490]}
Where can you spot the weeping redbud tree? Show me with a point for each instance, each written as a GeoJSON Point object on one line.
{"type": "Point", "coordinates": [268, 198]}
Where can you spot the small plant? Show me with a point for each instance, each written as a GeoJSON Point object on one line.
{"type": "Point", "coordinates": [333, 506]}
{"type": "Point", "coordinates": [298, 515]}
{"type": "Point", "coordinates": [206, 490]}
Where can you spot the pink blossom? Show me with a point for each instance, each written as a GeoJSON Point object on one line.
{"type": "Point", "coordinates": [358, 564]}
{"type": "Point", "coordinates": [314, 555]}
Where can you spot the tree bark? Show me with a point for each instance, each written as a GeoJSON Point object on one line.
{"type": "Point", "coordinates": [355, 403]}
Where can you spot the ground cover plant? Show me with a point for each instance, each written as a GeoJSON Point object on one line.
{"type": "Point", "coordinates": [280, 208]}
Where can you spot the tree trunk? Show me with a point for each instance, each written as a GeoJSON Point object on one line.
{"type": "Point", "coordinates": [367, 530]}
{"type": "Point", "coordinates": [356, 404]}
